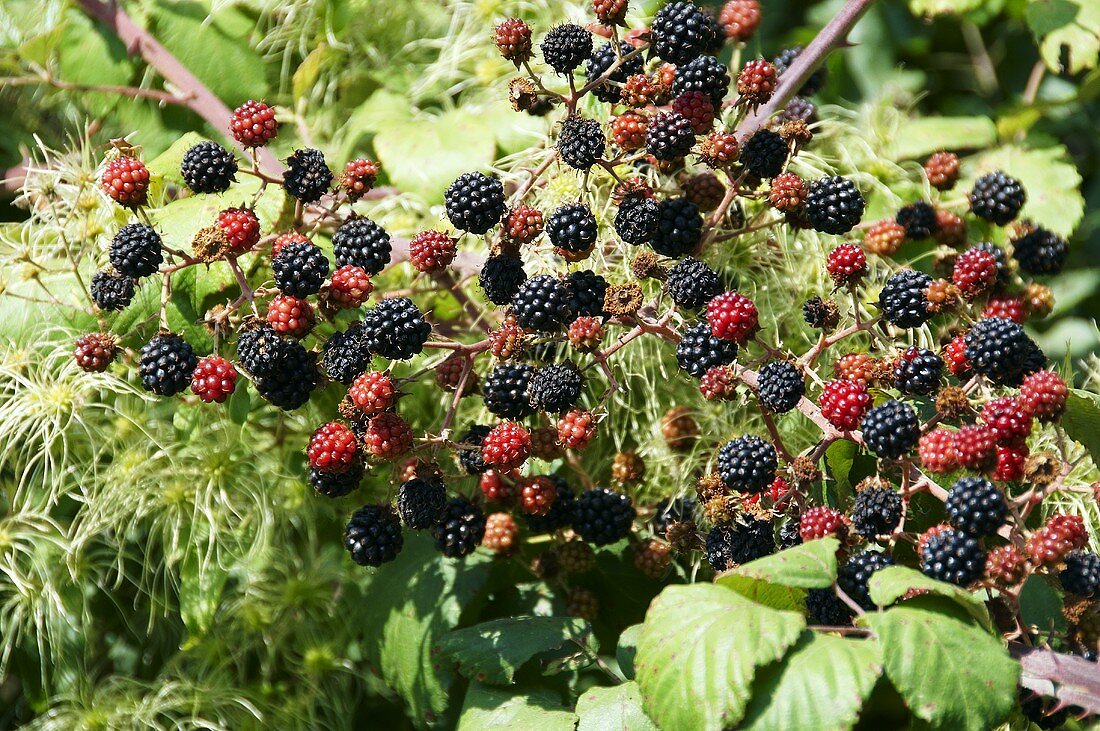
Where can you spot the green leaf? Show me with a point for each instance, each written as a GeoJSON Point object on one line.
{"type": "Point", "coordinates": [91, 54]}
{"type": "Point", "coordinates": [305, 76]}
{"type": "Point", "coordinates": [893, 582]}
{"type": "Point", "coordinates": [821, 684]}
{"type": "Point", "coordinates": [486, 707]}
{"type": "Point", "coordinates": [1048, 175]}
{"type": "Point", "coordinates": [1041, 606]}
{"type": "Point", "coordinates": [240, 403]}
{"type": "Point", "coordinates": [613, 709]}
{"type": "Point", "coordinates": [201, 586]}
{"type": "Point", "coordinates": [810, 565]}
{"type": "Point", "coordinates": [922, 136]}
{"type": "Point", "coordinates": [930, 8]}
{"type": "Point", "coordinates": [699, 651]}
{"type": "Point", "coordinates": [627, 649]}
{"type": "Point", "coordinates": [950, 671]}
{"type": "Point", "coordinates": [1082, 420]}
{"type": "Point", "coordinates": [1069, 25]}
{"type": "Point", "coordinates": [492, 652]}
{"type": "Point", "coordinates": [762, 592]}
{"type": "Point", "coordinates": [424, 598]}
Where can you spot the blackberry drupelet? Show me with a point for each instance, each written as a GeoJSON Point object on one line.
{"type": "Point", "coordinates": [738, 543]}
{"type": "Point", "coordinates": [299, 269]}
{"type": "Point", "coordinates": [1040, 252]}
{"type": "Point", "coordinates": [396, 328]}
{"type": "Point", "coordinates": [470, 459]}
{"type": "Point", "coordinates": [780, 386]}
{"type": "Point", "coordinates": [307, 177]}
{"type": "Point", "coordinates": [904, 300]}
{"type": "Point", "coordinates": [997, 198]}
{"type": "Point", "coordinates": [669, 136]}
{"type": "Point", "coordinates": [135, 251]}
{"type": "Point", "coordinates": [586, 293]}
{"type": "Point", "coordinates": [602, 516]}
{"type": "Point", "coordinates": [637, 219]}
{"type": "Point", "coordinates": [111, 291]}
{"type": "Point", "coordinates": [475, 202]}
{"type": "Point", "coordinates": [363, 243]}
{"type": "Point", "coordinates": [765, 153]}
{"type": "Point", "coordinates": [857, 571]}
{"type": "Point", "coordinates": [747, 463]}
{"type": "Point", "coordinates": [581, 142]}
{"type": "Point", "coordinates": [335, 485]}
{"type": "Point", "coordinates": [561, 510]}
{"type": "Point", "coordinates": [505, 390]}
{"type": "Point", "coordinates": [500, 277]}
{"type": "Point", "coordinates": [601, 60]}
{"type": "Point", "coordinates": [167, 362]}
{"type": "Point", "coordinates": [572, 227]}
{"type": "Point", "coordinates": [346, 354]}
{"type": "Point", "coordinates": [373, 535]}
{"type": "Point", "coordinates": [789, 535]}
{"type": "Point", "coordinates": [680, 32]}
{"type": "Point", "coordinates": [953, 556]}
{"type": "Point", "coordinates": [918, 372]}
{"type": "Point", "coordinates": [998, 349]}
{"type": "Point", "coordinates": [692, 283]}
{"type": "Point", "coordinates": [420, 502]}
{"type": "Point", "coordinates": [918, 219]}
{"type": "Point", "coordinates": [566, 47]}
{"type": "Point", "coordinates": [679, 227]}
{"type": "Point", "coordinates": [975, 506]}
{"type": "Point", "coordinates": [891, 429]}
{"type": "Point", "coordinates": [813, 83]}
{"type": "Point", "coordinates": [460, 528]}
{"type": "Point", "coordinates": [259, 349]}
{"type": "Point", "coordinates": [825, 608]}
{"type": "Point", "coordinates": [289, 375]}
{"type": "Point", "coordinates": [705, 74]}
{"type": "Point", "coordinates": [542, 303]}
{"type": "Point", "coordinates": [555, 388]}
{"type": "Point", "coordinates": [833, 205]}
{"type": "Point", "coordinates": [877, 511]}
{"type": "Point", "coordinates": [208, 168]}
{"type": "Point", "coordinates": [1081, 576]}
{"type": "Point", "coordinates": [698, 350]}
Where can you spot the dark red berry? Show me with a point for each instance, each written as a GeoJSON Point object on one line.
{"type": "Point", "coordinates": [253, 124]}
{"type": "Point", "coordinates": [290, 316]}
{"type": "Point", "coordinates": [126, 180]}
{"type": "Point", "coordinates": [213, 379]}
{"type": "Point", "coordinates": [333, 448]}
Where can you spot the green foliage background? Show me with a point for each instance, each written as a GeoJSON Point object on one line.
{"type": "Point", "coordinates": [167, 567]}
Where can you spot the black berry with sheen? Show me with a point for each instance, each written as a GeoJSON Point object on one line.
{"type": "Point", "coordinates": [363, 243]}
{"type": "Point", "coordinates": [135, 250]}
{"type": "Point", "coordinates": [500, 278]}
{"type": "Point", "coordinates": [692, 283]}
{"type": "Point", "coordinates": [637, 219]}
{"type": "Point", "coordinates": [420, 502]}
{"type": "Point", "coordinates": [891, 429]}
{"type": "Point", "coordinates": [833, 205]}
{"type": "Point", "coordinates": [396, 329]}
{"type": "Point", "coordinates": [904, 299]}
{"type": "Point", "coordinates": [566, 47]}
{"type": "Point", "coordinates": [555, 388]}
{"type": "Point", "coordinates": [780, 386]}
{"type": "Point", "coordinates": [975, 506]}
{"type": "Point", "coordinates": [854, 575]}
{"type": "Point", "coordinates": [586, 293]}
{"type": "Point", "coordinates": [581, 142]}
{"type": "Point", "coordinates": [747, 463]}
{"type": "Point", "coordinates": [459, 529]}
{"type": "Point", "coordinates": [765, 153]}
{"type": "Point", "coordinates": [602, 516]}
{"type": "Point", "coordinates": [730, 545]}
{"type": "Point", "coordinates": [997, 198]}
{"type": "Point", "coordinates": [475, 202]}
{"type": "Point", "coordinates": [308, 176]}
{"type": "Point", "coordinates": [167, 362]}
{"type": "Point", "coordinates": [680, 32]}
{"type": "Point", "coordinates": [679, 227]}
{"type": "Point", "coordinates": [299, 269]}
{"type": "Point", "coordinates": [698, 350]}
{"type": "Point", "coordinates": [953, 556]}
{"type": "Point", "coordinates": [877, 511]}
{"type": "Point", "coordinates": [572, 227]}
{"type": "Point", "coordinates": [373, 535]}
{"type": "Point", "coordinates": [542, 303]}
{"type": "Point", "coordinates": [208, 168]}
{"type": "Point", "coordinates": [111, 290]}
{"type": "Point", "coordinates": [505, 390]}
{"type": "Point", "coordinates": [601, 60]}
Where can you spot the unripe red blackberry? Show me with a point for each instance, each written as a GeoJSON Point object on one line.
{"type": "Point", "coordinates": [582, 603]}
{"type": "Point", "coordinates": [1005, 565]}
{"type": "Point", "coordinates": [942, 170]}
{"type": "Point", "coordinates": [976, 447]}
{"type": "Point", "coordinates": [640, 91]}
{"type": "Point", "coordinates": [373, 392]}
{"type": "Point", "coordinates": [718, 384]}
{"type": "Point", "coordinates": [95, 351]}
{"type": "Point", "coordinates": [125, 180]}
{"type": "Point", "coordinates": [537, 495]}
{"type": "Point", "coordinates": [501, 534]}
{"type": "Point", "coordinates": [506, 446]}
{"type": "Point", "coordinates": [732, 316]}
{"type": "Point", "coordinates": [523, 224]}
{"type": "Point", "coordinates": [997, 198]}
{"type": "Point", "coordinates": [513, 39]}
{"type": "Point", "coordinates": [450, 372]}
{"type": "Point", "coordinates": [950, 229]}
{"type": "Point", "coordinates": [350, 287]}
{"type": "Point", "coordinates": [954, 355]}
{"type": "Point", "coordinates": [387, 436]}
{"type": "Point", "coordinates": [507, 340]}
{"type": "Point", "coordinates": [739, 19]}
{"type": "Point", "coordinates": [253, 124]}
{"type": "Point", "coordinates": [290, 316]}
{"type": "Point", "coordinates": [545, 445]}
{"type": "Point", "coordinates": [884, 238]}
{"type": "Point", "coordinates": [1008, 419]}
{"type": "Point", "coordinates": [241, 227]}
{"type": "Point", "coordinates": [975, 271]}
{"type": "Point", "coordinates": [498, 487]}
{"type": "Point", "coordinates": [1043, 395]}
{"type": "Point", "coordinates": [936, 451]}
{"type": "Point", "coordinates": [586, 333]}
{"type": "Point", "coordinates": [820, 521]}
{"type": "Point", "coordinates": [359, 177]}
{"type": "Point", "coordinates": [757, 81]}
{"type": "Point", "coordinates": [857, 367]}
{"type": "Point", "coordinates": [846, 264]}
{"type": "Point", "coordinates": [1011, 461]}
{"type": "Point", "coordinates": [431, 251]}
{"type": "Point", "coordinates": [1061, 534]}
{"type": "Point", "coordinates": [610, 12]}
{"type": "Point", "coordinates": [719, 150]}
{"type": "Point", "coordinates": [576, 429]}
{"type": "Point", "coordinates": [697, 108]}
{"type": "Point", "coordinates": [1009, 308]}
{"type": "Point", "coordinates": [333, 448]}
{"type": "Point", "coordinates": [705, 190]}
{"type": "Point", "coordinates": [788, 193]}
{"type": "Point", "coordinates": [843, 403]}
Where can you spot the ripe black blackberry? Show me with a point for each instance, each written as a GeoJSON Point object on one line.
{"type": "Point", "coordinates": [299, 269]}
{"type": "Point", "coordinates": [572, 227]}
{"type": "Point", "coordinates": [307, 177]}
{"type": "Point", "coordinates": [601, 60]}
{"type": "Point", "coordinates": [208, 168]}
{"type": "Point", "coordinates": [747, 463]}
{"type": "Point", "coordinates": [678, 510]}
{"type": "Point", "coordinates": [1040, 252]}
{"type": "Point", "coordinates": [135, 250]}
{"type": "Point", "coordinates": [997, 198]}
{"type": "Point", "coordinates": [780, 386]}
{"type": "Point", "coordinates": [816, 80]}
{"type": "Point", "coordinates": [290, 378]}
{"type": "Point", "coordinates": [698, 350]}
{"type": "Point", "coordinates": [259, 349]}
{"type": "Point", "coordinates": [877, 511]}
{"type": "Point", "coordinates": [363, 243]}
{"type": "Point", "coordinates": [542, 303]}
{"type": "Point", "coordinates": [891, 429]}
{"type": "Point", "coordinates": [345, 354]}
{"type": "Point", "coordinates": [111, 290]}
{"type": "Point", "coordinates": [997, 348]}
{"type": "Point", "coordinates": [904, 300]}
{"type": "Point", "coordinates": [566, 47]}
{"type": "Point", "coordinates": [679, 227]}
{"type": "Point", "coordinates": [336, 484]}
{"type": "Point", "coordinates": [561, 511]}
{"type": "Point", "coordinates": [167, 362]}
{"type": "Point", "coordinates": [586, 293]}
{"type": "Point", "coordinates": [799, 110]}
{"type": "Point", "coordinates": [420, 502]}
{"type": "Point", "coordinates": [789, 534]}
{"type": "Point", "coordinates": [474, 202]}
{"type": "Point", "coordinates": [1081, 576]}
{"type": "Point", "coordinates": [691, 283]}
{"type": "Point", "coordinates": [500, 277]}
{"type": "Point", "coordinates": [918, 219]}
{"type": "Point", "coordinates": [669, 136]}
{"type": "Point", "coordinates": [555, 388]}
{"type": "Point", "coordinates": [738, 543]}
{"type": "Point", "coordinates": [833, 205]}
{"type": "Point", "coordinates": [918, 372]}
{"type": "Point", "coordinates": [857, 571]}
{"type": "Point", "coordinates": [825, 608]}
{"type": "Point", "coordinates": [765, 153]}
{"type": "Point", "coordinates": [581, 142]}
{"type": "Point", "coordinates": [505, 390]}
{"type": "Point", "coordinates": [373, 535]}
{"type": "Point", "coordinates": [820, 313]}
{"type": "Point", "coordinates": [470, 459]}
{"type": "Point", "coordinates": [953, 556]}
{"type": "Point", "coordinates": [602, 516]}
{"type": "Point", "coordinates": [460, 528]}
{"type": "Point", "coordinates": [396, 328]}
{"type": "Point", "coordinates": [706, 74]}
{"type": "Point", "coordinates": [637, 219]}
{"type": "Point", "coordinates": [680, 32]}
{"type": "Point", "coordinates": [975, 505]}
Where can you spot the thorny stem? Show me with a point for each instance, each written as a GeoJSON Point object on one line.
{"type": "Point", "coordinates": [162, 97]}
